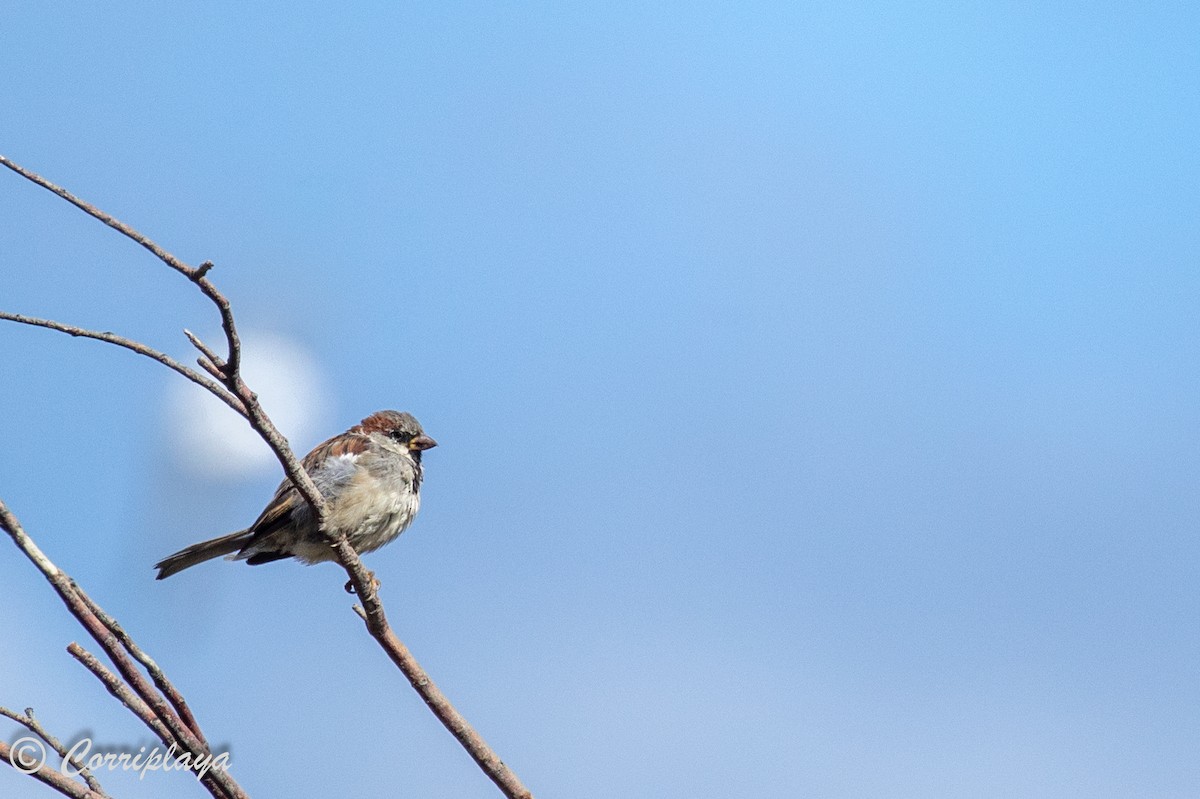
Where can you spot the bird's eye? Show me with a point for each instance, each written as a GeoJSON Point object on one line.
{"type": "Point", "coordinates": [399, 435]}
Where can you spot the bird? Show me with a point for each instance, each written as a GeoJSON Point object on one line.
{"type": "Point", "coordinates": [370, 477]}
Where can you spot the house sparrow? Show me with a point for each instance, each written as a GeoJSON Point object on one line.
{"type": "Point", "coordinates": [370, 477]}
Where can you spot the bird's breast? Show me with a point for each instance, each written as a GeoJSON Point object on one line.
{"type": "Point", "coordinates": [376, 505]}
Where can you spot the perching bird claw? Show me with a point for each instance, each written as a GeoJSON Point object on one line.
{"type": "Point", "coordinates": [374, 584]}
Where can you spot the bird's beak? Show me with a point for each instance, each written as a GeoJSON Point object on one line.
{"type": "Point", "coordinates": [422, 442]}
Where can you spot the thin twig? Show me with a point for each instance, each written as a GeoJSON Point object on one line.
{"type": "Point", "coordinates": [52, 777]}
{"type": "Point", "coordinates": [90, 210]}
{"type": "Point", "coordinates": [459, 727]}
{"type": "Point", "coordinates": [120, 691]}
{"type": "Point", "coordinates": [214, 360]}
{"type": "Point", "coordinates": [137, 707]}
{"type": "Point", "coordinates": [156, 673]}
{"type": "Point", "coordinates": [210, 367]}
{"type": "Point", "coordinates": [219, 391]}
{"type": "Point", "coordinates": [234, 361]}
{"type": "Point", "coordinates": [30, 723]}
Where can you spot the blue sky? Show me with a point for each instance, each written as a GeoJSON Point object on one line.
{"type": "Point", "coordinates": [815, 386]}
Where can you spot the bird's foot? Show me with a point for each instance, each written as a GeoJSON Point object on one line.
{"type": "Point", "coordinates": [374, 583]}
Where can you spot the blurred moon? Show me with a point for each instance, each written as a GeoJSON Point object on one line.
{"type": "Point", "coordinates": [209, 439]}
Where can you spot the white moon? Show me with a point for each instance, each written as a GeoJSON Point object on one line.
{"type": "Point", "coordinates": [210, 440]}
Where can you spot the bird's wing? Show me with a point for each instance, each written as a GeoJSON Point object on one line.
{"type": "Point", "coordinates": [331, 465]}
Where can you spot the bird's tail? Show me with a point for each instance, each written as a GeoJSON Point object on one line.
{"type": "Point", "coordinates": [198, 553]}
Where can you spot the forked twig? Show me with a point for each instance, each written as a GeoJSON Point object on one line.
{"type": "Point", "coordinates": [30, 723]}
{"type": "Point", "coordinates": [219, 391]}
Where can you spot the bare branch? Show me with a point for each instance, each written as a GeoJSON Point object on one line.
{"type": "Point", "coordinates": [115, 224]}
{"type": "Point", "coordinates": [30, 723]}
{"type": "Point", "coordinates": [459, 727]}
{"type": "Point", "coordinates": [214, 361]}
{"type": "Point", "coordinates": [176, 730]}
{"type": "Point", "coordinates": [160, 679]}
{"type": "Point", "coordinates": [210, 367]}
{"type": "Point", "coordinates": [234, 360]}
{"type": "Point", "coordinates": [121, 691]}
{"type": "Point", "coordinates": [220, 392]}
{"type": "Point", "coordinates": [53, 778]}
{"type": "Point", "coordinates": [139, 708]}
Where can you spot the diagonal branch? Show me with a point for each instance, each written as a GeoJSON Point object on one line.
{"type": "Point", "coordinates": [51, 777]}
{"type": "Point", "coordinates": [217, 390]}
{"type": "Point", "coordinates": [120, 691]}
{"type": "Point", "coordinates": [112, 222]}
{"type": "Point", "coordinates": [30, 723]}
{"type": "Point", "coordinates": [211, 362]}
{"type": "Point", "coordinates": [178, 731]}
{"type": "Point", "coordinates": [163, 684]}
{"type": "Point", "coordinates": [459, 727]}
{"type": "Point", "coordinates": [137, 707]}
